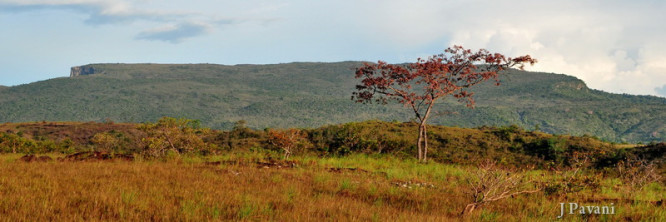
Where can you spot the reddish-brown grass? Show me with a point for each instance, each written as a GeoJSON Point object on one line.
{"type": "Point", "coordinates": [187, 189]}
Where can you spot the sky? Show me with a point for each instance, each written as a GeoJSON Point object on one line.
{"type": "Point", "coordinates": [614, 46]}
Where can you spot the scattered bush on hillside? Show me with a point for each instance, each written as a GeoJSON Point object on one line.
{"type": "Point", "coordinates": [105, 142]}
{"type": "Point", "coordinates": [507, 132]}
{"type": "Point", "coordinates": [15, 143]}
{"type": "Point", "coordinates": [572, 177]}
{"type": "Point", "coordinates": [239, 138]}
{"type": "Point", "coordinates": [366, 137]}
{"type": "Point", "coordinates": [175, 135]}
{"type": "Point", "coordinates": [115, 142]}
{"type": "Point", "coordinates": [549, 149]}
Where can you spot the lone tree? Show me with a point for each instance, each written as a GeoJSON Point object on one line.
{"type": "Point", "coordinates": [419, 85]}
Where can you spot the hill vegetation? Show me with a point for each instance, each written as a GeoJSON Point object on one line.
{"type": "Point", "coordinates": [509, 146]}
{"type": "Point", "coordinates": [315, 94]}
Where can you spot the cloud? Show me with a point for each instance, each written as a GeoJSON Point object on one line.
{"type": "Point", "coordinates": [176, 33]}
{"type": "Point", "coordinates": [99, 11]}
{"type": "Point", "coordinates": [110, 12]}
{"type": "Point", "coordinates": [612, 45]}
{"type": "Point", "coordinates": [106, 12]}
{"type": "Point", "coordinates": [661, 90]}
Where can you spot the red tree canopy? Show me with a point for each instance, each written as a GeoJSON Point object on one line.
{"type": "Point", "coordinates": [419, 84]}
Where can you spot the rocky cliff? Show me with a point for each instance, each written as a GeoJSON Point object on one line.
{"type": "Point", "coordinates": [81, 71]}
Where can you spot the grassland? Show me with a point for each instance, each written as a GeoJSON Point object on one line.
{"type": "Point", "coordinates": [351, 188]}
{"type": "Point", "coordinates": [346, 172]}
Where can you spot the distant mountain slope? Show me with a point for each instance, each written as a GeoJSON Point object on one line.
{"type": "Point", "coordinates": [315, 94]}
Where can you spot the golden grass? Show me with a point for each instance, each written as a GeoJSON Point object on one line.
{"type": "Point", "coordinates": [185, 189]}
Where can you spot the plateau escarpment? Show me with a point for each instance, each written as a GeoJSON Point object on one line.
{"type": "Point", "coordinates": [81, 71]}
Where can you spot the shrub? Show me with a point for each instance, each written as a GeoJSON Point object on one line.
{"type": "Point", "coordinates": [637, 172]}
{"type": "Point", "coordinates": [507, 132]}
{"type": "Point", "coordinates": [105, 141]}
{"type": "Point", "coordinates": [13, 143]}
{"type": "Point", "coordinates": [550, 149]}
{"type": "Point", "coordinates": [175, 135]}
{"type": "Point", "coordinates": [288, 140]}
{"type": "Point", "coordinates": [573, 178]}
{"type": "Point", "coordinates": [490, 183]}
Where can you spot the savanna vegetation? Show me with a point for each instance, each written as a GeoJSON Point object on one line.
{"type": "Point", "coordinates": [271, 95]}
{"type": "Point", "coordinates": [421, 84]}
{"type": "Point", "coordinates": [354, 171]}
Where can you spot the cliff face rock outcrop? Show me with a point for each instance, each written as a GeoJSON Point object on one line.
{"type": "Point", "coordinates": [81, 71]}
{"type": "Point", "coordinates": [577, 85]}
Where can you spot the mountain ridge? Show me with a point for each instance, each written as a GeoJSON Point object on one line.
{"type": "Point", "coordinates": [312, 94]}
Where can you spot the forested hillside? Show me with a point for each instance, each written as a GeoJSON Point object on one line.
{"type": "Point", "coordinates": [316, 94]}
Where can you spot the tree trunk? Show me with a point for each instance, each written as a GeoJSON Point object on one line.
{"type": "Point", "coordinates": [425, 143]}
{"type": "Point", "coordinates": [419, 144]}
{"type": "Point", "coordinates": [423, 136]}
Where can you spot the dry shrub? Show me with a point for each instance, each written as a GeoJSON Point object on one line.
{"type": "Point", "coordinates": [572, 177]}
{"type": "Point", "coordinates": [491, 183]}
{"type": "Point", "coordinates": [637, 172]}
{"type": "Point", "coordinates": [175, 135]}
{"type": "Point", "coordinates": [287, 140]}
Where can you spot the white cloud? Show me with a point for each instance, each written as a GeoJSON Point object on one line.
{"type": "Point", "coordinates": [103, 12]}
{"type": "Point", "coordinates": [173, 25]}
{"type": "Point", "coordinates": [175, 33]}
{"type": "Point", "coordinates": [613, 46]}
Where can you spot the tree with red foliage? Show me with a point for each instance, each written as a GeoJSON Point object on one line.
{"type": "Point", "coordinates": [418, 85]}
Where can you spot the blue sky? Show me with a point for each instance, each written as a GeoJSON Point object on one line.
{"type": "Point", "coordinates": [615, 46]}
